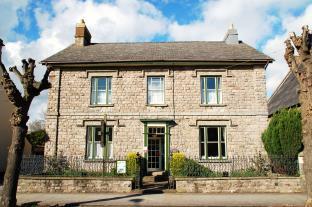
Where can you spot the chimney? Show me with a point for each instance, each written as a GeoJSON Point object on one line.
{"type": "Point", "coordinates": [82, 36]}
{"type": "Point", "coordinates": [231, 37]}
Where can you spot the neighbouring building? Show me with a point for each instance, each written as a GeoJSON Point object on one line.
{"type": "Point", "coordinates": [205, 99]}
{"type": "Point", "coordinates": [6, 109]}
{"type": "Point", "coordinates": [286, 94]}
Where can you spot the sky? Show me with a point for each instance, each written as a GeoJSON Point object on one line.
{"type": "Point", "coordinates": [40, 28]}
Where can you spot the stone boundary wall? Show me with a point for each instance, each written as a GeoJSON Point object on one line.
{"type": "Point", "coordinates": [240, 185]}
{"type": "Point", "coordinates": [74, 184]}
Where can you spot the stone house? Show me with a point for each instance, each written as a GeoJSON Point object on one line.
{"type": "Point", "coordinates": [205, 99]}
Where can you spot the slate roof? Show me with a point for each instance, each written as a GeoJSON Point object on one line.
{"type": "Point", "coordinates": [286, 95]}
{"type": "Point", "coordinates": [157, 51]}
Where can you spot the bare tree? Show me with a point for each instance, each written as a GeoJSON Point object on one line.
{"type": "Point", "coordinates": [301, 66]}
{"type": "Point", "coordinates": [19, 118]}
{"type": "Point", "coordinates": [36, 125]}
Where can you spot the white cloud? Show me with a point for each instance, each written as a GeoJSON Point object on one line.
{"type": "Point", "coordinates": [138, 20]}
{"type": "Point", "coordinates": [9, 18]}
{"type": "Point", "coordinates": [275, 47]}
{"type": "Point", "coordinates": [122, 20]}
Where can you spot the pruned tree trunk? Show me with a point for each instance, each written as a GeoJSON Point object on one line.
{"type": "Point", "coordinates": [301, 66]}
{"type": "Point", "coordinates": [12, 170]}
{"type": "Point", "coordinates": [19, 118]}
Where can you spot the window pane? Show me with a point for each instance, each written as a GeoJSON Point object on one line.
{"type": "Point", "coordinates": [101, 83]}
{"type": "Point", "coordinates": [201, 134]}
{"type": "Point", "coordinates": [218, 82]}
{"type": "Point", "coordinates": [89, 142]}
{"type": "Point", "coordinates": [110, 133]}
{"type": "Point", "coordinates": [93, 84]}
{"type": "Point", "coordinates": [93, 97]}
{"type": "Point", "coordinates": [97, 134]}
{"type": "Point", "coordinates": [155, 97]}
{"type": "Point", "coordinates": [109, 96]}
{"type": "Point", "coordinates": [109, 83]}
{"type": "Point", "coordinates": [222, 134]}
{"type": "Point", "coordinates": [110, 150]}
{"type": "Point", "coordinates": [212, 134]}
{"type": "Point", "coordinates": [212, 96]}
{"type": "Point", "coordinates": [98, 150]}
{"type": "Point", "coordinates": [101, 97]}
{"type": "Point", "coordinates": [223, 149]}
{"type": "Point", "coordinates": [211, 83]}
{"type": "Point", "coordinates": [219, 96]}
{"type": "Point", "coordinates": [202, 149]}
{"type": "Point", "coordinates": [212, 149]}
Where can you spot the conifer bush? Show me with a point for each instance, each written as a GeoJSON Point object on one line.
{"type": "Point", "coordinates": [283, 140]}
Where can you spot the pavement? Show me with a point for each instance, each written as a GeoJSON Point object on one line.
{"type": "Point", "coordinates": [162, 199]}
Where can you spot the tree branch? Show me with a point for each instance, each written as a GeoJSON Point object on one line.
{"type": "Point", "coordinates": [16, 72]}
{"type": "Point", "coordinates": [12, 92]}
{"type": "Point", "coordinates": [305, 39]}
{"type": "Point", "coordinates": [45, 84]}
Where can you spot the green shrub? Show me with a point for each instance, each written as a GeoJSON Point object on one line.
{"type": "Point", "coordinates": [250, 172]}
{"type": "Point", "coordinates": [131, 166]}
{"type": "Point", "coordinates": [283, 140]}
{"type": "Point", "coordinates": [194, 169]}
{"type": "Point", "coordinates": [177, 163]}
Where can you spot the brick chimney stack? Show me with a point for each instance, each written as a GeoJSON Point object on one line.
{"type": "Point", "coordinates": [82, 36]}
{"type": "Point", "coordinates": [231, 37]}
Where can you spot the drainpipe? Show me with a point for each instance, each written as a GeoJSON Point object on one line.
{"type": "Point", "coordinates": [57, 112]}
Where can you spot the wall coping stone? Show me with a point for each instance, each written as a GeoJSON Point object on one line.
{"type": "Point", "coordinates": [231, 178]}
{"type": "Point", "coordinates": [75, 178]}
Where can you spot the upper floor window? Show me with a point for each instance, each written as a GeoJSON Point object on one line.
{"type": "Point", "coordinates": [211, 92]}
{"type": "Point", "coordinates": [155, 90]}
{"type": "Point", "coordinates": [101, 88]}
{"type": "Point", "coordinates": [96, 149]}
{"type": "Point", "coordinates": [212, 142]}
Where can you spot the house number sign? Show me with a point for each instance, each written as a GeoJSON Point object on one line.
{"type": "Point", "coordinates": [121, 166]}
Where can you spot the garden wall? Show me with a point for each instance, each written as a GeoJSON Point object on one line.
{"type": "Point", "coordinates": [240, 185]}
{"type": "Point", "coordinates": [74, 184]}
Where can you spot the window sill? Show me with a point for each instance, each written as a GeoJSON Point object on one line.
{"type": "Point", "coordinates": [157, 105]}
{"type": "Point", "coordinates": [212, 105]}
{"type": "Point", "coordinates": [215, 160]}
{"type": "Point", "coordinates": [102, 105]}
{"type": "Point", "coordinates": [98, 160]}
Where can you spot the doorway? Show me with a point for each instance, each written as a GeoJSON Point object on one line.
{"type": "Point", "coordinates": [156, 152]}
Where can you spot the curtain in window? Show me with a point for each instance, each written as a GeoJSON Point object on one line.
{"type": "Point", "coordinates": [155, 90]}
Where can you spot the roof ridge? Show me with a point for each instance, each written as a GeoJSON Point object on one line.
{"type": "Point", "coordinates": [156, 42]}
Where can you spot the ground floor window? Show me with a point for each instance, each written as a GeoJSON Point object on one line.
{"type": "Point", "coordinates": [95, 149]}
{"type": "Point", "coordinates": [212, 142]}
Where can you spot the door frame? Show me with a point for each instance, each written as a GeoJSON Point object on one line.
{"type": "Point", "coordinates": [156, 123]}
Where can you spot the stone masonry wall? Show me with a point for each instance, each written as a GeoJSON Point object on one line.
{"type": "Point", "coordinates": [243, 111]}
{"type": "Point", "coordinates": [74, 185]}
{"type": "Point", "coordinates": [240, 185]}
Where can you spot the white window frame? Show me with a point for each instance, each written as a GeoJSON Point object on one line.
{"type": "Point", "coordinates": [162, 78]}
{"type": "Point", "coordinates": [95, 89]}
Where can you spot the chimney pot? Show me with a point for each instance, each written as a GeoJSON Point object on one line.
{"type": "Point", "coordinates": [231, 36]}
{"type": "Point", "coordinates": [82, 36]}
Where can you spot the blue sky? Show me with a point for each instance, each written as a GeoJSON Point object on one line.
{"type": "Point", "coordinates": [39, 28]}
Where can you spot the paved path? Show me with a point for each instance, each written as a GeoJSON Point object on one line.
{"type": "Point", "coordinates": [165, 199]}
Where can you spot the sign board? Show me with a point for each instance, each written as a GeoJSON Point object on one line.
{"type": "Point", "coordinates": [121, 166]}
{"type": "Point", "coordinates": [145, 149]}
